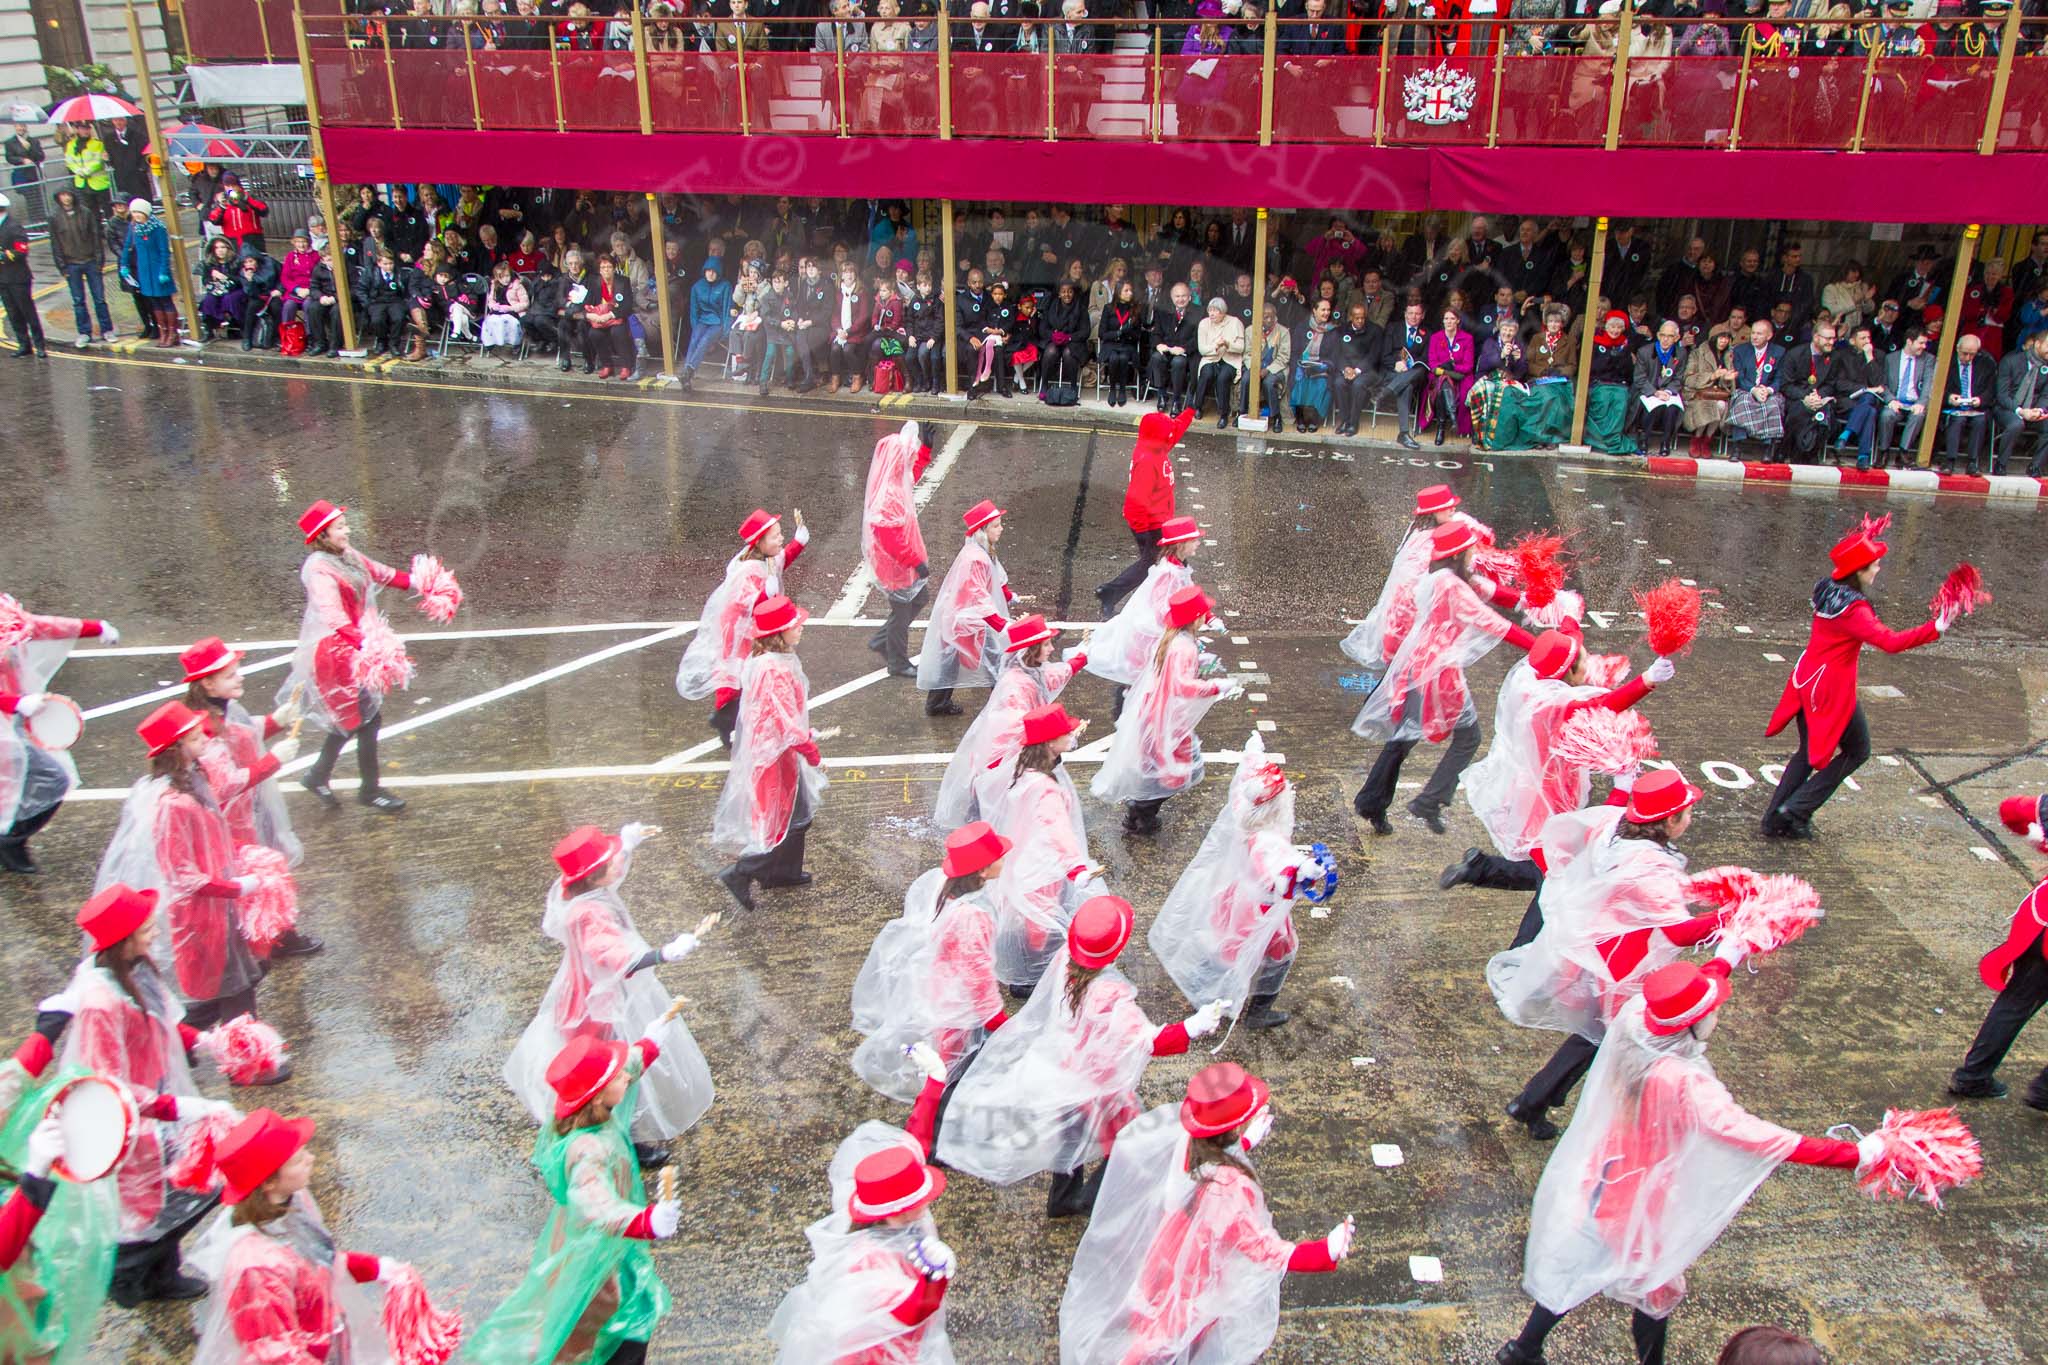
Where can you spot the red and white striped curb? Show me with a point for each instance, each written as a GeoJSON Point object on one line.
{"type": "Point", "coordinates": [2019, 486]}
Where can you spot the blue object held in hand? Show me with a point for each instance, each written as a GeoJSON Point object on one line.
{"type": "Point", "coordinates": [1318, 886]}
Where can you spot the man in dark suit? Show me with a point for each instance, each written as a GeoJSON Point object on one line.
{"type": "Point", "coordinates": [2021, 404]}
{"type": "Point", "coordinates": [1175, 339]}
{"type": "Point", "coordinates": [1917, 287]}
{"type": "Point", "coordinates": [1815, 397]}
{"type": "Point", "coordinates": [1404, 361]}
{"type": "Point", "coordinates": [1966, 411]}
{"type": "Point", "coordinates": [1528, 264]}
{"type": "Point", "coordinates": [1679, 278]}
{"type": "Point", "coordinates": [1316, 38]}
{"type": "Point", "coordinates": [2026, 279]}
{"type": "Point", "coordinates": [1907, 373]}
{"type": "Point", "coordinates": [1238, 239]}
{"type": "Point", "coordinates": [1748, 289]}
{"type": "Point", "coordinates": [1628, 263]}
{"type": "Point", "coordinates": [1479, 242]}
{"type": "Point", "coordinates": [1359, 344]}
{"type": "Point", "coordinates": [1795, 286]}
{"type": "Point", "coordinates": [1888, 330]}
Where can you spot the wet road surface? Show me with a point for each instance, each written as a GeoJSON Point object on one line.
{"type": "Point", "coordinates": [165, 501]}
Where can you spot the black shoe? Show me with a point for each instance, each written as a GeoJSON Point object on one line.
{"type": "Point", "coordinates": [277, 1075]}
{"type": "Point", "coordinates": [800, 879]}
{"type": "Point", "coordinates": [902, 671]}
{"type": "Point", "coordinates": [319, 789]}
{"type": "Point", "coordinates": [1260, 1014]}
{"type": "Point", "coordinates": [178, 1287]}
{"type": "Point", "coordinates": [1460, 872]}
{"type": "Point", "coordinates": [1406, 440]}
{"type": "Point", "coordinates": [1537, 1121]}
{"type": "Point", "coordinates": [1428, 815]}
{"type": "Point", "coordinates": [15, 857]}
{"type": "Point", "coordinates": [25, 353]}
{"type": "Point", "coordinates": [1990, 1088]}
{"type": "Point", "coordinates": [1513, 1354]}
{"type": "Point", "coordinates": [951, 708]}
{"type": "Point", "coordinates": [1440, 433]}
{"type": "Point", "coordinates": [740, 885]}
{"type": "Point", "coordinates": [43, 353]}
{"type": "Point", "coordinates": [1776, 826]}
{"type": "Point", "coordinates": [1144, 825]}
{"type": "Point", "coordinates": [652, 1156]}
{"type": "Point", "coordinates": [380, 800]}
{"type": "Point", "coordinates": [296, 944]}
{"type": "Point", "coordinates": [2036, 1096]}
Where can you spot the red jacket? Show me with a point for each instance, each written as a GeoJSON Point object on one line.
{"type": "Point", "coordinates": [2025, 934]}
{"type": "Point", "coordinates": [239, 220]}
{"type": "Point", "coordinates": [1823, 681]}
{"type": "Point", "coordinates": [1149, 502]}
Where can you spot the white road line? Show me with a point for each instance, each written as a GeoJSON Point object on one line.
{"type": "Point", "coordinates": [492, 633]}
{"type": "Point", "coordinates": [862, 580]}
{"type": "Point", "coordinates": [679, 762]}
{"type": "Point", "coordinates": [178, 690]}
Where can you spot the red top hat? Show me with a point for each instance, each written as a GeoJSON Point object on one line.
{"type": "Point", "coordinates": [1658, 795]}
{"type": "Point", "coordinates": [583, 1068]}
{"type": "Point", "coordinates": [1438, 497]}
{"type": "Point", "coordinates": [980, 515]}
{"type": "Point", "coordinates": [1451, 538]}
{"type": "Point", "coordinates": [1552, 654]}
{"type": "Point", "coordinates": [1101, 928]}
{"type": "Point", "coordinates": [892, 1181]}
{"type": "Point", "coordinates": [315, 518]}
{"type": "Point", "coordinates": [1680, 995]}
{"type": "Point", "coordinates": [1188, 606]}
{"type": "Point", "coordinates": [1222, 1097]}
{"type": "Point", "coordinates": [1855, 550]}
{"type": "Point", "coordinates": [1179, 531]}
{"type": "Point", "coordinates": [256, 1149]}
{"type": "Point", "coordinates": [166, 725]}
{"type": "Point", "coordinates": [973, 847]}
{"type": "Point", "coordinates": [1048, 723]}
{"type": "Point", "coordinates": [756, 525]}
{"type": "Point", "coordinates": [2018, 812]}
{"type": "Point", "coordinates": [1027, 631]}
{"type": "Point", "coordinates": [114, 914]}
{"type": "Point", "coordinates": [776, 615]}
{"type": "Point", "coordinates": [584, 850]}
{"type": "Point", "coordinates": [210, 655]}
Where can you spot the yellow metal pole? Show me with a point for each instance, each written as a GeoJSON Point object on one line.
{"type": "Point", "coordinates": [1741, 92]}
{"type": "Point", "coordinates": [344, 300]}
{"type": "Point", "coordinates": [1863, 101]}
{"type": "Point", "coordinates": [1272, 46]}
{"type": "Point", "coordinates": [1945, 352]}
{"type": "Point", "coordinates": [555, 78]}
{"type": "Point", "coordinates": [661, 283]}
{"type": "Point", "coordinates": [2008, 48]}
{"type": "Point", "coordinates": [1500, 57]}
{"type": "Point", "coordinates": [1617, 96]}
{"type": "Point", "coordinates": [391, 75]}
{"type": "Point", "coordinates": [946, 134]}
{"type": "Point", "coordinates": [1379, 104]}
{"type": "Point", "coordinates": [951, 266]}
{"type": "Point", "coordinates": [1158, 80]}
{"type": "Point", "coordinates": [476, 106]}
{"type": "Point", "coordinates": [1051, 128]}
{"type": "Point", "coordinates": [181, 269]}
{"type": "Point", "coordinates": [1254, 345]}
{"type": "Point", "coordinates": [640, 72]}
{"type": "Point", "coordinates": [839, 48]}
{"type": "Point", "coordinates": [263, 31]}
{"type": "Point", "coordinates": [739, 51]}
{"type": "Point", "coordinates": [1584, 388]}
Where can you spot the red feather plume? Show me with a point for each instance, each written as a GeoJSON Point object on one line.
{"type": "Point", "coordinates": [417, 1332]}
{"type": "Point", "coordinates": [1874, 527]}
{"type": "Point", "coordinates": [1671, 616]}
{"type": "Point", "coordinates": [1961, 593]}
{"type": "Point", "coordinates": [1924, 1154]}
{"type": "Point", "coordinates": [1539, 565]}
{"type": "Point", "coordinates": [382, 665]}
{"type": "Point", "coordinates": [1606, 670]}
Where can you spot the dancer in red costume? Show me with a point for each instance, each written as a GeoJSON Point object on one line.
{"type": "Point", "coordinates": [777, 777]}
{"type": "Point", "coordinates": [1377, 639]}
{"type": "Point", "coordinates": [1148, 501]}
{"type": "Point", "coordinates": [1048, 874]}
{"type": "Point", "coordinates": [1155, 753]}
{"type": "Point", "coordinates": [33, 780]}
{"type": "Point", "coordinates": [717, 654]}
{"type": "Point", "coordinates": [969, 616]}
{"type": "Point", "coordinates": [2018, 970]}
{"type": "Point", "coordinates": [892, 543]}
{"type": "Point", "coordinates": [986, 757]}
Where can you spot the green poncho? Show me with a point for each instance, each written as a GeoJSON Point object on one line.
{"type": "Point", "coordinates": [50, 1301]}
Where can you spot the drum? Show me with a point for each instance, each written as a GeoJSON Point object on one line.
{"type": "Point", "coordinates": [99, 1122]}
{"type": "Point", "coordinates": [57, 726]}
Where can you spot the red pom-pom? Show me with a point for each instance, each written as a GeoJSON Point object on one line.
{"type": "Point", "coordinates": [417, 1332]}
{"type": "Point", "coordinates": [244, 1048]}
{"type": "Point", "coordinates": [1605, 741]}
{"type": "Point", "coordinates": [1671, 615]}
{"type": "Point", "coordinates": [1961, 593]}
{"type": "Point", "coordinates": [269, 912]}
{"type": "Point", "coordinates": [439, 593]}
{"type": "Point", "coordinates": [1539, 566]}
{"type": "Point", "coordinates": [1607, 671]}
{"type": "Point", "coordinates": [15, 625]}
{"type": "Point", "coordinates": [382, 664]}
{"type": "Point", "coordinates": [1925, 1154]}
{"type": "Point", "coordinates": [1874, 527]}
{"type": "Point", "coordinates": [1721, 887]}
{"type": "Point", "coordinates": [1774, 913]}
{"type": "Point", "coordinates": [194, 1169]}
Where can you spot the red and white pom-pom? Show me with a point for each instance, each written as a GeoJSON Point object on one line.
{"type": "Point", "coordinates": [1874, 527]}
{"type": "Point", "coordinates": [382, 665]}
{"type": "Point", "coordinates": [244, 1048]}
{"type": "Point", "coordinates": [1605, 741]}
{"type": "Point", "coordinates": [1539, 566]}
{"type": "Point", "coordinates": [439, 593]}
{"type": "Point", "coordinates": [14, 623]}
{"type": "Point", "coordinates": [1606, 670]}
{"type": "Point", "coordinates": [270, 911]}
{"type": "Point", "coordinates": [195, 1169]}
{"type": "Point", "coordinates": [1924, 1154]}
{"type": "Point", "coordinates": [1961, 593]}
{"type": "Point", "coordinates": [1565, 606]}
{"type": "Point", "coordinates": [1778, 911]}
{"type": "Point", "coordinates": [1671, 617]}
{"type": "Point", "coordinates": [1721, 887]}
{"type": "Point", "coordinates": [1497, 564]}
{"type": "Point", "coordinates": [417, 1332]}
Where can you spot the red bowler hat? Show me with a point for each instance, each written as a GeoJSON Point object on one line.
{"type": "Point", "coordinates": [1552, 654]}
{"type": "Point", "coordinates": [1100, 930]}
{"type": "Point", "coordinates": [167, 725]}
{"type": "Point", "coordinates": [1855, 550]}
{"type": "Point", "coordinates": [584, 850]}
{"type": "Point", "coordinates": [1453, 537]}
{"type": "Point", "coordinates": [1658, 795]}
{"type": "Point", "coordinates": [1047, 724]}
{"type": "Point", "coordinates": [1680, 995]}
{"type": "Point", "coordinates": [2017, 813]}
{"type": "Point", "coordinates": [1179, 531]}
{"type": "Point", "coordinates": [973, 847]}
{"type": "Point", "coordinates": [256, 1149]}
{"type": "Point", "coordinates": [892, 1181]}
{"type": "Point", "coordinates": [756, 525]}
{"type": "Point", "coordinates": [315, 518]}
{"type": "Point", "coordinates": [980, 515]}
{"type": "Point", "coordinates": [210, 655]}
{"type": "Point", "coordinates": [583, 1068]}
{"type": "Point", "coordinates": [1027, 631]}
{"type": "Point", "coordinates": [1222, 1098]}
{"type": "Point", "coordinates": [114, 914]}
{"type": "Point", "coordinates": [776, 615]}
{"type": "Point", "coordinates": [1189, 606]}
{"type": "Point", "coordinates": [1438, 497]}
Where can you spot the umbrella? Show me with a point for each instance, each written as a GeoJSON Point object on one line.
{"type": "Point", "coordinates": [93, 108]}
{"type": "Point", "coordinates": [199, 142]}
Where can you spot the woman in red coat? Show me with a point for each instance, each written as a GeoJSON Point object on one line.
{"type": "Point", "coordinates": [1834, 740]}
{"type": "Point", "coordinates": [2018, 970]}
{"type": "Point", "coordinates": [777, 777]}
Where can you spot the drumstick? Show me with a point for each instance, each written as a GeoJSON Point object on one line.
{"type": "Point", "coordinates": [667, 1191]}
{"type": "Point", "coordinates": [675, 1007]}
{"type": "Point", "coordinates": [299, 719]}
{"type": "Point", "coordinates": [708, 923]}
{"type": "Point", "coordinates": [829, 733]}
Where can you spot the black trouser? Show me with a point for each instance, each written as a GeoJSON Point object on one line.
{"type": "Point", "coordinates": [725, 719]}
{"type": "Point", "coordinates": [1348, 395]}
{"type": "Point", "coordinates": [144, 1270]}
{"type": "Point", "coordinates": [321, 327]}
{"type": "Point", "coordinates": [846, 360]}
{"type": "Point", "coordinates": [895, 632]}
{"type": "Point", "coordinates": [1170, 379]}
{"type": "Point", "coordinates": [254, 306]}
{"type": "Point", "coordinates": [1378, 792]}
{"type": "Point", "coordinates": [1552, 1085]}
{"type": "Point", "coordinates": [365, 737]}
{"type": "Point", "coordinates": [1119, 369]}
{"type": "Point", "coordinates": [1532, 920]}
{"type": "Point", "coordinates": [1112, 593]}
{"type": "Point", "coordinates": [611, 347]}
{"type": "Point", "coordinates": [1661, 424]}
{"type": "Point", "coordinates": [1496, 873]}
{"type": "Point", "coordinates": [937, 700]}
{"type": "Point", "coordinates": [204, 1014]}
{"type": "Point", "coordinates": [1217, 376]}
{"type": "Point", "coordinates": [2006, 445]}
{"type": "Point", "coordinates": [1405, 386]}
{"type": "Point", "coordinates": [387, 322]}
{"type": "Point", "coordinates": [1802, 790]}
{"type": "Point", "coordinates": [1062, 362]}
{"type": "Point", "coordinates": [573, 333]}
{"type": "Point", "coordinates": [2024, 994]}
{"type": "Point", "coordinates": [1144, 812]}
{"type": "Point", "coordinates": [1648, 1332]}
{"type": "Point", "coordinates": [20, 303]}
{"type": "Point", "coordinates": [541, 331]}
{"type": "Point", "coordinates": [628, 1353]}
{"type": "Point", "coordinates": [781, 863]}
{"type": "Point", "coordinates": [22, 830]}
{"type": "Point", "coordinates": [1976, 423]}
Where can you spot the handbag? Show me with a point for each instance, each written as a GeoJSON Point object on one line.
{"type": "Point", "coordinates": [291, 338]}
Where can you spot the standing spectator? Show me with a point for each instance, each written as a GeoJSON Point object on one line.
{"type": "Point", "coordinates": [1916, 288]}
{"type": "Point", "coordinates": [1681, 277]}
{"type": "Point", "coordinates": [1748, 289]}
{"type": "Point", "coordinates": [146, 268]}
{"type": "Point", "coordinates": [1628, 262]}
{"type": "Point", "coordinates": [1852, 299]}
{"type": "Point", "coordinates": [24, 164]}
{"type": "Point", "coordinates": [2027, 277]}
{"type": "Point", "coordinates": [80, 253]}
{"type": "Point", "coordinates": [85, 156]}
{"type": "Point", "coordinates": [1793, 286]}
{"type": "Point", "coordinates": [126, 160]}
{"type": "Point", "coordinates": [239, 215]}
{"type": "Point", "coordinates": [17, 290]}
{"type": "Point", "coordinates": [2022, 404]}
{"type": "Point", "coordinates": [1528, 264]}
{"type": "Point", "coordinates": [1711, 290]}
{"type": "Point", "coordinates": [710, 312]}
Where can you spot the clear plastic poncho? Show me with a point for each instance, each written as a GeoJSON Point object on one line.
{"type": "Point", "coordinates": [255, 815]}
{"type": "Point", "coordinates": [1659, 1158]}
{"type": "Point", "coordinates": [930, 976]}
{"type": "Point", "coordinates": [1036, 895]}
{"type": "Point", "coordinates": [1599, 886]}
{"type": "Point", "coordinates": [1226, 931]}
{"type": "Point", "coordinates": [717, 653]}
{"type": "Point", "coordinates": [1050, 1089]}
{"type": "Point", "coordinates": [1520, 784]}
{"type": "Point", "coordinates": [282, 1293]}
{"type": "Point", "coordinates": [137, 1044]}
{"type": "Point", "coordinates": [889, 535]}
{"type": "Point", "coordinates": [770, 788]}
{"type": "Point", "coordinates": [1424, 694]}
{"type": "Point", "coordinates": [961, 649]}
{"type": "Point", "coordinates": [50, 1299]}
{"type": "Point", "coordinates": [1122, 646]}
{"type": "Point", "coordinates": [32, 779]}
{"type": "Point", "coordinates": [1375, 640]}
{"type": "Point", "coordinates": [1155, 751]}
{"type": "Point", "coordinates": [1176, 1267]}
{"type": "Point", "coordinates": [592, 994]}
{"type": "Point", "coordinates": [987, 754]}
{"type": "Point", "coordinates": [857, 1277]}
{"type": "Point", "coordinates": [341, 594]}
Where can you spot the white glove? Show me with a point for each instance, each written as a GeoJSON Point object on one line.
{"type": "Point", "coordinates": [1659, 672]}
{"type": "Point", "coordinates": [933, 1258]}
{"type": "Point", "coordinates": [1868, 1149]}
{"type": "Point", "coordinates": [247, 884]}
{"type": "Point", "coordinates": [1942, 621]}
{"type": "Point", "coordinates": [198, 1107]}
{"type": "Point", "coordinates": [679, 947]}
{"type": "Point", "coordinates": [1339, 1240]}
{"type": "Point", "coordinates": [109, 634]}
{"type": "Point", "coordinates": [1257, 1130]}
{"type": "Point", "coordinates": [1232, 691]}
{"type": "Point", "coordinates": [1207, 1019]}
{"type": "Point", "coordinates": [926, 1058]}
{"type": "Point", "coordinates": [286, 749]}
{"type": "Point", "coordinates": [666, 1218]}
{"type": "Point", "coordinates": [30, 704]}
{"type": "Point", "coordinates": [63, 1002]}
{"type": "Point", "coordinates": [1732, 951]}
{"type": "Point", "coordinates": [635, 833]}
{"type": "Point", "coordinates": [286, 716]}
{"type": "Point", "coordinates": [45, 1145]}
